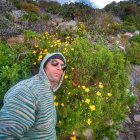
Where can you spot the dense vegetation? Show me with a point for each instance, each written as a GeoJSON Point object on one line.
{"type": "Point", "coordinates": [96, 92]}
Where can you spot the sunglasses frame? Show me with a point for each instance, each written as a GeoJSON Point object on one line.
{"type": "Point", "coordinates": [55, 63]}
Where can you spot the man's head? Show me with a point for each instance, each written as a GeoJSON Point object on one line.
{"type": "Point", "coordinates": [54, 67]}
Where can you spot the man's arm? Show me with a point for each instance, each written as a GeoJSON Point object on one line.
{"type": "Point", "coordinates": [17, 115]}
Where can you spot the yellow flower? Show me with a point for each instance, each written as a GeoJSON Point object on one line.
{"type": "Point", "coordinates": [87, 101]}
{"type": "Point", "coordinates": [89, 121]}
{"type": "Point", "coordinates": [34, 63]}
{"type": "Point", "coordinates": [62, 104]}
{"type": "Point", "coordinates": [40, 52]}
{"type": "Point", "coordinates": [51, 46]}
{"type": "Point", "coordinates": [40, 56]}
{"type": "Point", "coordinates": [92, 107]}
{"type": "Point", "coordinates": [65, 49]}
{"type": "Point", "coordinates": [54, 97]}
{"type": "Point", "coordinates": [39, 59]}
{"type": "Point", "coordinates": [78, 86]}
{"type": "Point", "coordinates": [98, 93]}
{"type": "Point", "coordinates": [67, 37]}
{"type": "Point", "coordinates": [73, 138]}
{"type": "Point", "coordinates": [72, 68]}
{"type": "Point", "coordinates": [66, 76]}
{"type": "Point", "coordinates": [87, 90]}
{"type": "Point", "coordinates": [109, 94]}
{"type": "Point", "coordinates": [59, 122]}
{"type": "Point", "coordinates": [36, 46]}
{"type": "Point", "coordinates": [45, 50]}
{"type": "Point", "coordinates": [101, 85]}
{"type": "Point", "coordinates": [83, 87]}
{"type": "Point", "coordinates": [56, 103]}
{"type": "Point", "coordinates": [34, 52]}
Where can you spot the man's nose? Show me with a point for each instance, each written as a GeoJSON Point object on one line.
{"type": "Point", "coordinates": [59, 67]}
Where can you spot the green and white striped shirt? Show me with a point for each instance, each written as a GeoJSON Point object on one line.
{"type": "Point", "coordinates": [28, 111]}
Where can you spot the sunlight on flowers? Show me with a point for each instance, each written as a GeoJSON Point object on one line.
{"type": "Point", "coordinates": [66, 77]}
{"type": "Point", "coordinates": [83, 87]}
{"type": "Point", "coordinates": [87, 90]}
{"type": "Point", "coordinates": [89, 121]}
{"type": "Point", "coordinates": [92, 107]}
{"type": "Point", "coordinates": [101, 85]}
{"type": "Point", "coordinates": [87, 101]}
{"type": "Point", "coordinates": [109, 94]}
{"type": "Point", "coordinates": [73, 138]}
{"type": "Point", "coordinates": [56, 104]}
{"type": "Point", "coordinates": [98, 93]}
{"type": "Point", "coordinates": [62, 104]}
{"type": "Point", "coordinates": [54, 97]}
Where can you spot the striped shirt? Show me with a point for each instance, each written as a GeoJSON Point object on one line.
{"type": "Point", "coordinates": [28, 111]}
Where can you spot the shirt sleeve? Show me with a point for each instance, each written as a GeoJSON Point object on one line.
{"type": "Point", "coordinates": [17, 115]}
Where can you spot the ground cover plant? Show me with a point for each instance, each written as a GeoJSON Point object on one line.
{"type": "Point", "coordinates": [95, 93]}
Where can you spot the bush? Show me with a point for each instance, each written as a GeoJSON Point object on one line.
{"type": "Point", "coordinates": [30, 17]}
{"type": "Point", "coordinates": [29, 7]}
{"type": "Point", "coordinates": [132, 52]}
{"type": "Point", "coordinates": [53, 7]}
{"type": "Point", "coordinates": [14, 66]}
{"type": "Point", "coordinates": [94, 93]}
{"type": "Point", "coordinates": [135, 38]}
{"type": "Point", "coordinates": [129, 28]}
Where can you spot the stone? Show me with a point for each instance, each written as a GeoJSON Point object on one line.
{"type": "Point", "coordinates": [16, 14]}
{"type": "Point", "coordinates": [137, 118]}
{"type": "Point", "coordinates": [129, 35]}
{"type": "Point", "coordinates": [88, 134]}
{"type": "Point", "coordinates": [136, 32]}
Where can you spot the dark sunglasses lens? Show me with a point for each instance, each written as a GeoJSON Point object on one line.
{"type": "Point", "coordinates": [54, 62]}
{"type": "Point", "coordinates": [63, 67]}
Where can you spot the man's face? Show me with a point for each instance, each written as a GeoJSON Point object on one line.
{"type": "Point", "coordinates": [54, 70]}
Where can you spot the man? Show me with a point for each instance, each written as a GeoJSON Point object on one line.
{"type": "Point", "coordinates": [28, 112]}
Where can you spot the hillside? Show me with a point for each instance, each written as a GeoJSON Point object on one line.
{"type": "Point", "coordinates": [100, 96]}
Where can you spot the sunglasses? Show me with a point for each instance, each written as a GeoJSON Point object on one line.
{"type": "Point", "coordinates": [55, 63]}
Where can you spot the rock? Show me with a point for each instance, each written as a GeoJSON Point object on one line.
{"type": "Point", "coordinates": [137, 118]}
{"type": "Point", "coordinates": [57, 20]}
{"type": "Point", "coordinates": [129, 35]}
{"type": "Point", "coordinates": [88, 134]}
{"type": "Point", "coordinates": [68, 25]}
{"type": "Point", "coordinates": [135, 75]}
{"type": "Point", "coordinates": [16, 14]}
{"type": "Point", "coordinates": [128, 120]}
{"type": "Point", "coordinates": [136, 32]}
{"type": "Point", "coordinates": [122, 48]}
{"type": "Point", "coordinates": [105, 138]}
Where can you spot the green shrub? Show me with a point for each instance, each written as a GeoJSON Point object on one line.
{"type": "Point", "coordinates": [29, 7]}
{"type": "Point", "coordinates": [133, 52]}
{"type": "Point", "coordinates": [14, 66]}
{"type": "Point", "coordinates": [94, 93]}
{"type": "Point", "coordinates": [129, 28]}
{"type": "Point", "coordinates": [135, 38]}
{"type": "Point", "coordinates": [52, 7]}
{"type": "Point", "coordinates": [17, 3]}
